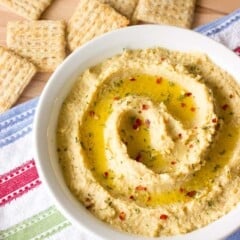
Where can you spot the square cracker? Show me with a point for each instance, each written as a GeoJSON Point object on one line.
{"type": "Point", "coordinates": [30, 9]}
{"type": "Point", "coordinates": [42, 42]}
{"type": "Point", "coordinates": [92, 18]}
{"type": "Point", "coordinates": [171, 12]}
{"type": "Point", "coordinates": [125, 7]}
{"type": "Point", "coordinates": [15, 73]}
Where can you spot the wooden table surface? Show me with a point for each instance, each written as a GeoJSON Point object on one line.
{"type": "Point", "coordinates": [206, 11]}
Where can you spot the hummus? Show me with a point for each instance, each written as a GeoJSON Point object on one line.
{"type": "Point", "coordinates": [149, 141]}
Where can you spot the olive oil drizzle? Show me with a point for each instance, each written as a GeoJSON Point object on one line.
{"type": "Point", "coordinates": [180, 104]}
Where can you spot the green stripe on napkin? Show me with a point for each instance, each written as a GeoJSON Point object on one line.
{"type": "Point", "coordinates": [39, 226]}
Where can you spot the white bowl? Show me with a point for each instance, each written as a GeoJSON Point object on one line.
{"type": "Point", "coordinates": [57, 88]}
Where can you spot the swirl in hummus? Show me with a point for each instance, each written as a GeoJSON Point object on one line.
{"type": "Point", "coordinates": [149, 141]}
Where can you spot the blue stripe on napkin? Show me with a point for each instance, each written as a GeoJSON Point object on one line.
{"type": "Point", "coordinates": [219, 25]}
{"type": "Point", "coordinates": [17, 122]}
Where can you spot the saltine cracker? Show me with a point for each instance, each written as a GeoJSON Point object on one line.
{"type": "Point", "coordinates": [42, 42]}
{"type": "Point", "coordinates": [30, 9]}
{"type": "Point", "coordinates": [15, 74]}
{"type": "Point", "coordinates": [92, 18]}
{"type": "Point", "coordinates": [125, 7]}
{"type": "Point", "coordinates": [170, 12]}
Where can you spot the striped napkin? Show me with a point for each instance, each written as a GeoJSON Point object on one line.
{"type": "Point", "coordinates": [26, 210]}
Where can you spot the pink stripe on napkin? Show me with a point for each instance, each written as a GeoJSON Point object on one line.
{"type": "Point", "coordinates": [18, 181]}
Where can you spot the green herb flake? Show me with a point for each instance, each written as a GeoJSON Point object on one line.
{"type": "Point", "coordinates": [193, 69]}
{"type": "Point", "coordinates": [181, 97]}
{"type": "Point", "coordinates": [210, 203]}
{"type": "Point", "coordinates": [222, 152]}
{"type": "Point", "coordinates": [132, 119]}
{"type": "Point", "coordinates": [216, 167]}
{"type": "Point", "coordinates": [137, 210]}
{"type": "Point", "coordinates": [90, 134]}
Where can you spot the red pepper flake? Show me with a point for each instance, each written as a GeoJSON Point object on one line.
{"type": "Point", "coordinates": [183, 104]}
{"type": "Point", "coordinates": [149, 199]}
{"type": "Point", "coordinates": [193, 109]}
{"type": "Point", "coordinates": [180, 135]}
{"type": "Point", "coordinates": [191, 145]}
{"type": "Point", "coordinates": [147, 122]}
{"type": "Point", "coordinates": [89, 206]}
{"type": "Point", "coordinates": [225, 106]}
{"type": "Point", "coordinates": [182, 190]}
{"type": "Point", "coordinates": [145, 107]}
{"type": "Point", "coordinates": [191, 193]}
{"type": "Point", "coordinates": [231, 96]}
{"type": "Point", "coordinates": [138, 157]}
{"type": "Point", "coordinates": [105, 174]}
{"type": "Point", "coordinates": [91, 113]}
{"type": "Point", "coordinates": [214, 120]}
{"type": "Point", "coordinates": [137, 123]}
{"type": "Point", "coordinates": [163, 217]}
{"type": "Point", "coordinates": [141, 188]}
{"type": "Point", "coordinates": [132, 79]}
{"type": "Point", "coordinates": [188, 94]}
{"type": "Point", "coordinates": [122, 216]}
{"type": "Point", "coordinates": [173, 162]}
{"type": "Point", "coordinates": [165, 121]}
{"type": "Point", "coordinates": [159, 80]}
{"type": "Point", "coordinates": [135, 127]}
{"type": "Point", "coordinates": [116, 98]}
{"type": "Point", "coordinates": [132, 197]}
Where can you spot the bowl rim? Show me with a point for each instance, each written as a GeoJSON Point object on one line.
{"type": "Point", "coordinates": [46, 104]}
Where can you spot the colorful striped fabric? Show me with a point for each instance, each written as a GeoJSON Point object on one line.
{"type": "Point", "coordinates": [18, 181]}
{"type": "Point", "coordinates": [26, 211]}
